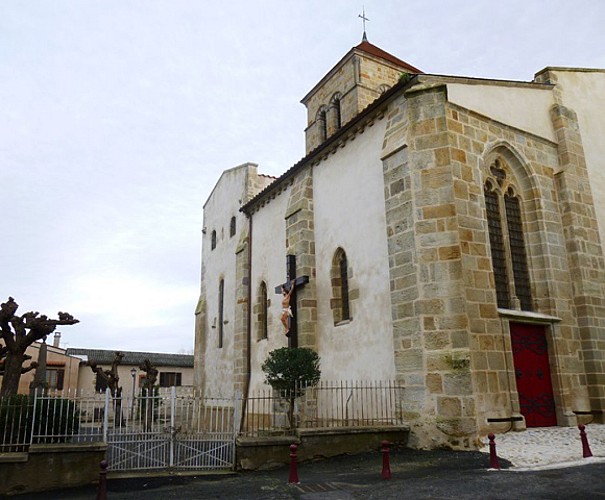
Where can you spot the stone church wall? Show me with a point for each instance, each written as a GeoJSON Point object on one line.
{"type": "Point", "coordinates": [452, 344]}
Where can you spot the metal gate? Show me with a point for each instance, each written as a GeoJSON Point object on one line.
{"type": "Point", "coordinates": [161, 431]}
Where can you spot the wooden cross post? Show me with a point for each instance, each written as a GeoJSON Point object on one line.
{"type": "Point", "coordinates": [299, 281]}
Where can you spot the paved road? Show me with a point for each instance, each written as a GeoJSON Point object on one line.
{"type": "Point", "coordinates": [415, 475]}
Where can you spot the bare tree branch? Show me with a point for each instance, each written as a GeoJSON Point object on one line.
{"type": "Point", "coordinates": [18, 333]}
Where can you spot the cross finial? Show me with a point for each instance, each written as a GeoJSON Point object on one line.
{"type": "Point", "coordinates": [364, 19]}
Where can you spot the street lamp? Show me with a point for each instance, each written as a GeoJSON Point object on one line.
{"type": "Point", "coordinates": [133, 374]}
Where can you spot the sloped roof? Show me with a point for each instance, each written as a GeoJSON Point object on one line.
{"type": "Point", "coordinates": [368, 48]}
{"type": "Point", "coordinates": [105, 357]}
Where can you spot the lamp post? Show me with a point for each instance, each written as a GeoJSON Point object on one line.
{"type": "Point", "coordinates": [133, 373]}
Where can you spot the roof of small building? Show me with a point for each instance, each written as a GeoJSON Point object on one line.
{"type": "Point", "coordinates": [106, 357]}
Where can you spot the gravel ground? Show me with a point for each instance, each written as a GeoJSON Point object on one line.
{"type": "Point", "coordinates": [548, 446]}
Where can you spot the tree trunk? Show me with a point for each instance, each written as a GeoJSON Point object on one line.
{"type": "Point", "coordinates": [291, 412]}
{"type": "Point", "coordinates": [12, 374]}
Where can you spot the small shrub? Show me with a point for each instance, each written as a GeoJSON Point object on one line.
{"type": "Point", "coordinates": [289, 369]}
{"type": "Point", "coordinates": [55, 419]}
{"type": "Point", "coordinates": [15, 420]}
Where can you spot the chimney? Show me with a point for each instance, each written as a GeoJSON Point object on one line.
{"type": "Point", "coordinates": [57, 339]}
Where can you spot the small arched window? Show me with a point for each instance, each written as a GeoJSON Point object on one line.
{"type": "Point", "coordinates": [322, 122]}
{"type": "Point", "coordinates": [263, 312]}
{"type": "Point", "coordinates": [337, 111]}
{"type": "Point", "coordinates": [232, 227]}
{"type": "Point", "coordinates": [340, 287]}
{"type": "Point", "coordinates": [221, 310]}
{"type": "Point", "coordinates": [507, 244]}
{"type": "Point", "coordinates": [213, 240]}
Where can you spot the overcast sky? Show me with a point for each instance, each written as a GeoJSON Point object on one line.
{"type": "Point", "coordinates": [117, 118]}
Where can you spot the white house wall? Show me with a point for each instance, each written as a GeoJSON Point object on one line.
{"type": "Point", "coordinates": [349, 208]}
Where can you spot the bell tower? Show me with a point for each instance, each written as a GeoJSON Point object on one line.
{"type": "Point", "coordinates": [358, 79]}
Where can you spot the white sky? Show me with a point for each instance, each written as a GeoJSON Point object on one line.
{"type": "Point", "coordinates": [117, 118]}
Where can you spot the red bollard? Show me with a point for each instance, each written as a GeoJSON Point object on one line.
{"type": "Point", "coordinates": [293, 477]}
{"type": "Point", "coordinates": [102, 489]}
{"type": "Point", "coordinates": [585, 448]}
{"type": "Point", "coordinates": [494, 463]}
{"type": "Point", "coordinates": [386, 467]}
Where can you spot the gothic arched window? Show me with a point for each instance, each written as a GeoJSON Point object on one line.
{"type": "Point", "coordinates": [340, 287]}
{"type": "Point", "coordinates": [232, 227]}
{"type": "Point", "coordinates": [213, 240]}
{"type": "Point", "coordinates": [505, 227]}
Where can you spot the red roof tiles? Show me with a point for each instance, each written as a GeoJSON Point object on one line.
{"type": "Point", "coordinates": [368, 48]}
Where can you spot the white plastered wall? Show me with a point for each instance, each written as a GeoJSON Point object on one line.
{"type": "Point", "coordinates": [224, 203]}
{"type": "Point", "coordinates": [524, 108]}
{"type": "Point", "coordinates": [584, 92]}
{"type": "Point", "coordinates": [269, 265]}
{"type": "Point", "coordinates": [350, 213]}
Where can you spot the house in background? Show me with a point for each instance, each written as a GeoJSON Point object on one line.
{"type": "Point", "coordinates": [61, 368]}
{"type": "Point", "coordinates": [174, 369]}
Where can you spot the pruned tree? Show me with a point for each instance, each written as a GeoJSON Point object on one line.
{"type": "Point", "coordinates": [290, 371]}
{"type": "Point", "coordinates": [18, 333]}
{"type": "Point", "coordinates": [151, 375]}
{"type": "Point", "coordinates": [112, 379]}
{"type": "Point", "coordinates": [148, 393]}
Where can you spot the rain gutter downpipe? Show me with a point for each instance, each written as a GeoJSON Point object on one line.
{"type": "Point", "coordinates": [246, 390]}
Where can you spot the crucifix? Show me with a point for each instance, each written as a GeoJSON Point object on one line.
{"type": "Point", "coordinates": [291, 310]}
{"type": "Point", "coordinates": [364, 19]}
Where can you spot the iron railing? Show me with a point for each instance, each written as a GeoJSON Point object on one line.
{"type": "Point", "coordinates": [165, 427]}
{"type": "Point", "coordinates": [328, 404]}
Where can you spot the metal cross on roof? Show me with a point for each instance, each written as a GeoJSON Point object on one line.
{"type": "Point", "coordinates": [364, 19]}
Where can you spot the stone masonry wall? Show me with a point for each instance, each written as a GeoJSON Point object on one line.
{"type": "Point", "coordinates": [241, 338]}
{"type": "Point", "coordinates": [475, 142]}
{"type": "Point", "coordinates": [430, 337]}
{"type": "Point", "coordinates": [300, 241]}
{"type": "Point", "coordinates": [585, 253]}
{"type": "Point", "coordinates": [452, 344]}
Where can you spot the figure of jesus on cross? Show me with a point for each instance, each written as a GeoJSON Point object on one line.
{"type": "Point", "coordinates": [288, 291]}
{"type": "Point", "coordinates": [286, 311]}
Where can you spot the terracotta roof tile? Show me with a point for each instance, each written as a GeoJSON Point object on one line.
{"type": "Point", "coordinates": [368, 48]}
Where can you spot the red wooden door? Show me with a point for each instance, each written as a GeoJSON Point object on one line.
{"type": "Point", "coordinates": [532, 371]}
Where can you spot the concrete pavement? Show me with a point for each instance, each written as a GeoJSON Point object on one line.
{"type": "Point", "coordinates": [415, 474]}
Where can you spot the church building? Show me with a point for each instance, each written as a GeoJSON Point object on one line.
{"type": "Point", "coordinates": [445, 233]}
